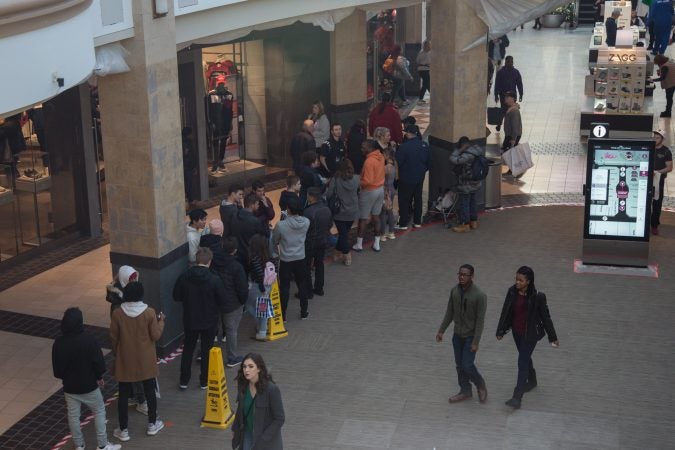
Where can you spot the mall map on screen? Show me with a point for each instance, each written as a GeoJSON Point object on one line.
{"type": "Point", "coordinates": [619, 188]}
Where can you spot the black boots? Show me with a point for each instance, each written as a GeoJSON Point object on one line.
{"type": "Point", "coordinates": [513, 403]}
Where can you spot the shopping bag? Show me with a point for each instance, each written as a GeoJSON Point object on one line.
{"type": "Point", "coordinates": [518, 159]}
{"type": "Point", "coordinates": [263, 308]}
{"type": "Point", "coordinates": [494, 115]}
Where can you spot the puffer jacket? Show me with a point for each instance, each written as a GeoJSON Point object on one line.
{"type": "Point", "coordinates": [462, 162]}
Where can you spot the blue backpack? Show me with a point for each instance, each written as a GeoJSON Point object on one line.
{"type": "Point", "coordinates": [479, 168]}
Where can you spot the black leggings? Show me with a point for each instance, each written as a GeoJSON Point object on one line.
{"type": "Point", "coordinates": [426, 80]}
{"type": "Point", "coordinates": [125, 390]}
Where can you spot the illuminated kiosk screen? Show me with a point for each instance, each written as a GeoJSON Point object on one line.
{"type": "Point", "coordinates": [620, 180]}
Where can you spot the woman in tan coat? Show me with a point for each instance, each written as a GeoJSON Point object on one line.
{"type": "Point", "coordinates": [134, 329]}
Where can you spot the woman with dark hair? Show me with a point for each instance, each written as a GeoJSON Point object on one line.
{"type": "Point", "coordinates": [346, 186]}
{"type": "Point", "coordinates": [385, 114]}
{"type": "Point", "coordinates": [258, 257]}
{"type": "Point", "coordinates": [321, 124]}
{"type": "Point", "coordinates": [526, 312]}
{"type": "Point", "coordinates": [260, 412]}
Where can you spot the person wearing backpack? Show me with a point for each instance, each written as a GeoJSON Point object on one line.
{"type": "Point", "coordinates": [462, 158]}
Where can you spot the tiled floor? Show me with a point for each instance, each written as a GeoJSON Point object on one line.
{"type": "Point", "coordinates": [553, 64]}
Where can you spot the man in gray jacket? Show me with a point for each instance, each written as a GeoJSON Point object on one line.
{"type": "Point", "coordinates": [462, 158]}
{"type": "Point", "coordinates": [466, 307]}
{"type": "Point", "coordinates": [513, 126]}
{"type": "Point", "coordinates": [290, 235]}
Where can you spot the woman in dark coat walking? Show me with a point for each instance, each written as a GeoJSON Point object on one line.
{"type": "Point", "coordinates": [526, 312]}
{"type": "Point", "coordinates": [260, 412]}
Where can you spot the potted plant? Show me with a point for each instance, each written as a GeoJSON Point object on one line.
{"type": "Point", "coordinates": [558, 16]}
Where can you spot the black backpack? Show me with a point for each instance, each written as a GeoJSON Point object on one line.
{"type": "Point", "coordinates": [479, 168]}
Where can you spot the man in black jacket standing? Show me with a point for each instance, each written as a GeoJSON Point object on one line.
{"type": "Point", "coordinates": [413, 163]}
{"type": "Point", "coordinates": [203, 297]}
{"type": "Point", "coordinates": [320, 223]}
{"type": "Point", "coordinates": [245, 224]}
{"type": "Point", "coordinates": [78, 361]}
{"type": "Point", "coordinates": [235, 281]}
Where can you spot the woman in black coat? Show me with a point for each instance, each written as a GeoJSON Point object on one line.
{"type": "Point", "coordinates": [525, 312]}
{"type": "Point", "coordinates": [260, 412]}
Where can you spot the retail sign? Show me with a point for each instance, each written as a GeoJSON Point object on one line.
{"type": "Point", "coordinates": [600, 130]}
{"type": "Point", "coordinates": [622, 55]}
{"type": "Point", "coordinates": [618, 196]}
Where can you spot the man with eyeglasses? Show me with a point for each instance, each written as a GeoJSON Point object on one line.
{"type": "Point", "coordinates": [466, 307]}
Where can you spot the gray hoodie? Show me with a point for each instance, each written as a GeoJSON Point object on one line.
{"type": "Point", "coordinates": [290, 236]}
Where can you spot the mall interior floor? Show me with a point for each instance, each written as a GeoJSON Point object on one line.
{"type": "Point", "coordinates": [351, 376]}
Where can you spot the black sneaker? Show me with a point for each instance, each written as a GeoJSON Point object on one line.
{"type": "Point", "coordinates": [234, 362]}
{"type": "Point", "coordinates": [513, 403]}
{"type": "Point", "coordinates": [664, 114]}
{"type": "Point", "coordinates": [304, 316]}
{"type": "Point", "coordinates": [319, 292]}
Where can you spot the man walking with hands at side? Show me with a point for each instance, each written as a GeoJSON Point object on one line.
{"type": "Point", "coordinates": [466, 307]}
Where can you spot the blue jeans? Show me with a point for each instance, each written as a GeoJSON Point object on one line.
{"type": "Point", "coordinates": [464, 362]}
{"type": "Point", "coordinates": [466, 210]}
{"type": "Point", "coordinates": [94, 401]}
{"type": "Point", "coordinates": [526, 370]}
{"type": "Point", "coordinates": [231, 323]}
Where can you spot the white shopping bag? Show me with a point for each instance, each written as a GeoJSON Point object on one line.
{"type": "Point", "coordinates": [656, 180]}
{"type": "Point", "coordinates": [518, 159]}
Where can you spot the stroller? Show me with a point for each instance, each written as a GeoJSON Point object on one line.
{"type": "Point", "coordinates": [443, 206]}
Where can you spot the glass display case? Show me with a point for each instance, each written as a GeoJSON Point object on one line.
{"type": "Point", "coordinates": [32, 185]}
{"type": "Point", "coordinates": [9, 236]}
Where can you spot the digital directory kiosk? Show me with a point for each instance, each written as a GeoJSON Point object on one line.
{"type": "Point", "coordinates": [618, 199]}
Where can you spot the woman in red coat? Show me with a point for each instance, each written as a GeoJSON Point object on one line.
{"type": "Point", "coordinates": [386, 115]}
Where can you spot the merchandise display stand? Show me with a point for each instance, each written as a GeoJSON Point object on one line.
{"type": "Point", "coordinates": [619, 94]}
{"type": "Point", "coordinates": [8, 202]}
{"type": "Point", "coordinates": [34, 177]}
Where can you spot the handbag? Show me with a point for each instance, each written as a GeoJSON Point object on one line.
{"type": "Point", "coordinates": [334, 202]}
{"type": "Point", "coordinates": [495, 115]}
{"type": "Point", "coordinates": [518, 159]}
{"type": "Point", "coordinates": [263, 308]}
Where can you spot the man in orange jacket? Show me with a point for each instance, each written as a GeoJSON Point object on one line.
{"type": "Point", "coordinates": [371, 196]}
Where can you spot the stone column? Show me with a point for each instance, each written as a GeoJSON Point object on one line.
{"type": "Point", "coordinates": [143, 163]}
{"type": "Point", "coordinates": [348, 82]}
{"type": "Point", "coordinates": [458, 86]}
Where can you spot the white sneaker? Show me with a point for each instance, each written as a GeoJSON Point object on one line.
{"type": "Point", "coordinates": [111, 447]}
{"type": "Point", "coordinates": [417, 225]}
{"type": "Point", "coordinates": [153, 428]}
{"type": "Point", "coordinates": [384, 237]}
{"type": "Point", "coordinates": [391, 236]}
{"type": "Point", "coordinates": [142, 408]}
{"type": "Point", "coordinates": [80, 448]}
{"type": "Point", "coordinates": [357, 248]}
{"type": "Point", "coordinates": [122, 435]}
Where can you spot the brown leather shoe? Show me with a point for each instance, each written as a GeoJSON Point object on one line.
{"type": "Point", "coordinates": [461, 228]}
{"type": "Point", "coordinates": [473, 224]}
{"type": "Point", "coordinates": [459, 398]}
{"type": "Point", "coordinates": [482, 394]}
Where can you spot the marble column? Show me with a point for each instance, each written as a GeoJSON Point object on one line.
{"type": "Point", "coordinates": [143, 162]}
{"type": "Point", "coordinates": [458, 86]}
{"type": "Point", "coordinates": [348, 81]}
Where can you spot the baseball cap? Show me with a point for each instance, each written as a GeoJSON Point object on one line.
{"type": "Point", "coordinates": [660, 132]}
{"type": "Point", "coordinates": [410, 128]}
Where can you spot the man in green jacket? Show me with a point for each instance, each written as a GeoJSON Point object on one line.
{"type": "Point", "coordinates": [466, 307]}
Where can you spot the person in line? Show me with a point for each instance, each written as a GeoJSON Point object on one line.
{"type": "Point", "coordinates": [245, 224]}
{"type": "Point", "coordinates": [289, 235]}
{"type": "Point", "coordinates": [661, 16]}
{"type": "Point", "coordinates": [320, 223]}
{"type": "Point", "coordinates": [611, 27]}
{"type": "Point", "coordinates": [357, 134]}
{"type": "Point", "coordinates": [265, 210]}
{"type": "Point", "coordinates": [413, 158]}
{"type": "Point", "coordinates": [382, 136]}
{"type": "Point", "coordinates": [371, 196]}
{"type": "Point", "coordinates": [202, 295]}
{"type": "Point", "coordinates": [259, 256]}
{"type": "Point", "coordinates": [387, 217]}
{"type": "Point", "coordinates": [260, 411]}
{"type": "Point", "coordinates": [293, 187]}
{"type": "Point", "coordinates": [115, 296]}
{"type": "Point", "coordinates": [230, 205]}
{"type": "Point", "coordinates": [302, 142]}
{"type": "Point", "coordinates": [462, 158]}
{"type": "Point", "coordinates": [507, 79]}
{"type": "Point", "coordinates": [309, 174]}
{"type": "Point", "coordinates": [332, 151]}
{"type": "Point", "coordinates": [321, 125]}
{"type": "Point", "coordinates": [513, 125]}
{"type": "Point", "coordinates": [466, 307]}
{"type": "Point", "coordinates": [134, 329]}
{"type": "Point", "coordinates": [214, 239]}
{"type": "Point", "coordinates": [195, 229]}
{"type": "Point", "coordinates": [526, 313]}
{"type": "Point", "coordinates": [345, 184]}
{"type": "Point", "coordinates": [386, 115]}
{"type": "Point", "coordinates": [424, 69]}
{"type": "Point", "coordinates": [663, 165]}
{"type": "Point", "coordinates": [78, 361]}
{"type": "Point", "coordinates": [666, 77]}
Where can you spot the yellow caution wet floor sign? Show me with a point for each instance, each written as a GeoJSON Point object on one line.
{"type": "Point", "coordinates": [275, 325]}
{"type": "Point", "coordinates": [218, 412]}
